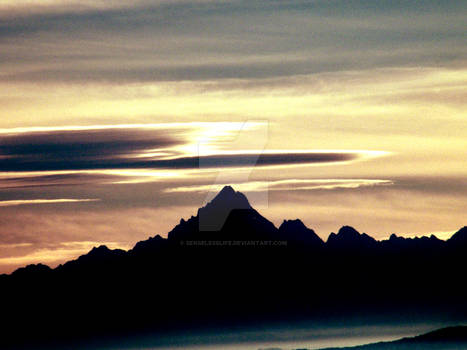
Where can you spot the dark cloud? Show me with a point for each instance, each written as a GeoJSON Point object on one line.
{"type": "Point", "coordinates": [58, 161]}
{"type": "Point", "coordinates": [248, 69]}
{"type": "Point", "coordinates": [101, 155]}
{"type": "Point", "coordinates": [72, 145]}
{"type": "Point", "coordinates": [165, 14]}
{"type": "Point", "coordinates": [15, 164]}
{"type": "Point", "coordinates": [69, 179]}
{"type": "Point", "coordinates": [233, 39]}
{"type": "Point", "coordinates": [246, 160]}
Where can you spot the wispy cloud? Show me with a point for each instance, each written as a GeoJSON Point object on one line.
{"type": "Point", "coordinates": [70, 155]}
{"type": "Point", "coordinates": [287, 185]}
{"type": "Point", "coordinates": [216, 40]}
{"type": "Point", "coordinates": [11, 203]}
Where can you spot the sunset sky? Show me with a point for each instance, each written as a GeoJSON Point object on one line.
{"type": "Point", "coordinates": [335, 112]}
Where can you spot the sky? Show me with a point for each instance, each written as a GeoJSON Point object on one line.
{"type": "Point", "coordinates": [117, 119]}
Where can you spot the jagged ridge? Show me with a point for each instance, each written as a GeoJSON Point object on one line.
{"type": "Point", "coordinates": [229, 215]}
{"type": "Point", "coordinates": [169, 282]}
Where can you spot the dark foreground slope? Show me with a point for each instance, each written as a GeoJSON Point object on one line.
{"type": "Point", "coordinates": [451, 338]}
{"type": "Point", "coordinates": [248, 271]}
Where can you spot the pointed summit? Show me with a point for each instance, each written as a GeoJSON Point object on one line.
{"type": "Point", "coordinates": [459, 239]}
{"type": "Point", "coordinates": [460, 236]}
{"type": "Point", "coordinates": [214, 214]}
{"type": "Point", "coordinates": [229, 198]}
{"type": "Point", "coordinates": [227, 190]}
{"type": "Point", "coordinates": [228, 211]}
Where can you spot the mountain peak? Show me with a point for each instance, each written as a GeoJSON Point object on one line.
{"type": "Point", "coordinates": [296, 231]}
{"type": "Point", "coordinates": [348, 232]}
{"type": "Point", "coordinates": [227, 190]}
{"type": "Point", "coordinates": [213, 215]}
{"type": "Point", "coordinates": [394, 237]}
{"type": "Point", "coordinates": [102, 249]}
{"type": "Point", "coordinates": [348, 237]}
{"type": "Point", "coordinates": [294, 224]}
{"type": "Point", "coordinates": [229, 199]}
{"type": "Point", "coordinates": [460, 237]}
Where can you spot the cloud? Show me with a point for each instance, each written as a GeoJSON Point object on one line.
{"type": "Point", "coordinates": [109, 68]}
{"type": "Point", "coordinates": [12, 203]}
{"type": "Point", "coordinates": [196, 40]}
{"type": "Point", "coordinates": [90, 144]}
{"type": "Point", "coordinates": [50, 178]}
{"type": "Point", "coordinates": [78, 171]}
{"type": "Point", "coordinates": [30, 8]}
{"type": "Point", "coordinates": [70, 155]}
{"type": "Point", "coordinates": [286, 185]}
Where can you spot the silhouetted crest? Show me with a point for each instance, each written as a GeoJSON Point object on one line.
{"type": "Point", "coordinates": [450, 338]}
{"type": "Point", "coordinates": [460, 237]}
{"type": "Point", "coordinates": [403, 244]}
{"type": "Point", "coordinates": [295, 231]}
{"type": "Point", "coordinates": [229, 211]}
{"type": "Point", "coordinates": [349, 238]}
{"type": "Point", "coordinates": [228, 198]}
{"type": "Point", "coordinates": [34, 270]}
{"type": "Point", "coordinates": [150, 245]}
{"type": "Point", "coordinates": [213, 215]}
{"type": "Point", "coordinates": [457, 334]}
{"type": "Point", "coordinates": [178, 281]}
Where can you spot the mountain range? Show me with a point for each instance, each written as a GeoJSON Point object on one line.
{"type": "Point", "coordinates": [449, 338]}
{"type": "Point", "coordinates": [229, 265]}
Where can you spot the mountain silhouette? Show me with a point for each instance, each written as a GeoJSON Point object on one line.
{"type": "Point", "coordinates": [228, 217]}
{"type": "Point", "coordinates": [349, 238]}
{"type": "Point", "coordinates": [212, 216]}
{"type": "Point", "coordinates": [297, 232]}
{"type": "Point", "coordinates": [449, 338]}
{"type": "Point", "coordinates": [459, 239]}
{"type": "Point", "coordinates": [229, 265]}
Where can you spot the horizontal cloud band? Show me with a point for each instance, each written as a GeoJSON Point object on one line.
{"type": "Point", "coordinates": [211, 161]}
{"type": "Point", "coordinates": [288, 185]}
{"type": "Point", "coordinates": [161, 147]}
{"type": "Point", "coordinates": [11, 203]}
